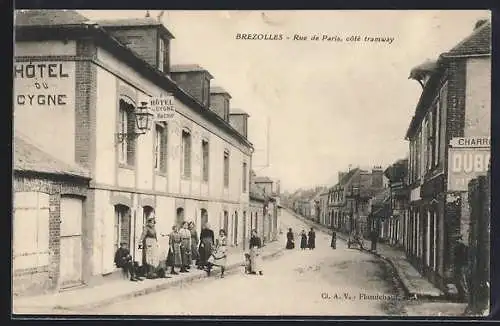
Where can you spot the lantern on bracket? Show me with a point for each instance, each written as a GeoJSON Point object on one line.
{"type": "Point", "coordinates": [143, 119]}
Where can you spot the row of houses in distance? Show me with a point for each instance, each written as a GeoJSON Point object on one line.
{"type": "Point", "coordinates": [420, 203]}
{"type": "Point", "coordinates": [90, 167]}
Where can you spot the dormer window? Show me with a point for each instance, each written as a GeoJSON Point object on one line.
{"type": "Point", "coordinates": [162, 55]}
{"type": "Point", "coordinates": [226, 109]}
{"type": "Point", "coordinates": [206, 92]}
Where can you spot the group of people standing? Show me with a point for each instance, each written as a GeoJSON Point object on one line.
{"type": "Point", "coordinates": [307, 241]}
{"type": "Point", "coordinates": [186, 249]}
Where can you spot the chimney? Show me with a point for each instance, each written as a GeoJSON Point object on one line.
{"type": "Point", "coordinates": [377, 177]}
{"type": "Point", "coordinates": [480, 23]}
{"type": "Point", "coordinates": [239, 121]}
{"type": "Point", "coordinates": [194, 80]}
{"type": "Point", "coordinates": [341, 175]}
{"type": "Point", "coordinates": [219, 102]}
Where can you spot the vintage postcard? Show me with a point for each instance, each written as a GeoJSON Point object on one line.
{"type": "Point", "coordinates": [275, 163]}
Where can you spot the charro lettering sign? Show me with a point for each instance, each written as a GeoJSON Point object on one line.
{"type": "Point", "coordinates": [468, 158]}
{"type": "Point", "coordinates": [45, 79]}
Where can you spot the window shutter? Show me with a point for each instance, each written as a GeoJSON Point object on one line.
{"type": "Point", "coordinates": [164, 150]}
{"type": "Point", "coordinates": [130, 139]}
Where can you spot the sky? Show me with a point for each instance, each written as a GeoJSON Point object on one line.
{"type": "Point", "coordinates": [328, 105]}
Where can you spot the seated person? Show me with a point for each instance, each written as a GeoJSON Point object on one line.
{"type": "Point", "coordinates": [123, 260]}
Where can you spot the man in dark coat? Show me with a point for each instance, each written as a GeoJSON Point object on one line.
{"type": "Point", "coordinates": [333, 244]}
{"type": "Point", "coordinates": [207, 240]}
{"type": "Point", "coordinates": [311, 241]}
{"type": "Point", "coordinates": [123, 260]}
{"type": "Point", "coordinates": [290, 244]}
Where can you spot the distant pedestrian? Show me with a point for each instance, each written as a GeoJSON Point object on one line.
{"type": "Point", "coordinates": [207, 240]}
{"type": "Point", "coordinates": [185, 247]}
{"type": "Point", "coordinates": [219, 254]}
{"type": "Point", "coordinates": [195, 256]}
{"type": "Point", "coordinates": [303, 240]}
{"type": "Point", "coordinates": [290, 244]}
{"type": "Point", "coordinates": [374, 239]}
{"type": "Point", "coordinates": [333, 244]}
{"type": "Point", "coordinates": [174, 257]}
{"type": "Point", "coordinates": [311, 241]}
{"type": "Point", "coordinates": [255, 253]}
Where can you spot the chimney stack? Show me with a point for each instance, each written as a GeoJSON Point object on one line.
{"type": "Point", "coordinates": [219, 102]}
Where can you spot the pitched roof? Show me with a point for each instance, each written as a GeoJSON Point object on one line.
{"type": "Point", "coordinates": [237, 111]}
{"type": "Point", "coordinates": [48, 17]}
{"type": "Point", "coordinates": [479, 42]}
{"type": "Point", "coordinates": [135, 22]}
{"type": "Point", "coordinates": [190, 67]}
{"type": "Point", "coordinates": [218, 90]}
{"type": "Point", "coordinates": [262, 179]}
{"type": "Point", "coordinates": [348, 176]}
{"type": "Point", "coordinates": [28, 157]}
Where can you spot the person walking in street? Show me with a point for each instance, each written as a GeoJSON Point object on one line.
{"type": "Point", "coordinates": [374, 239]}
{"type": "Point", "coordinates": [195, 256]}
{"type": "Point", "coordinates": [303, 240]}
{"type": "Point", "coordinates": [290, 244]}
{"type": "Point", "coordinates": [219, 254]}
{"type": "Point", "coordinates": [255, 254]}
{"type": "Point", "coordinates": [333, 243]}
{"type": "Point", "coordinates": [123, 260]}
{"type": "Point", "coordinates": [174, 258]}
{"type": "Point", "coordinates": [311, 243]}
{"type": "Point", "coordinates": [149, 243]}
{"type": "Point", "coordinates": [207, 240]}
{"type": "Point", "coordinates": [185, 247]}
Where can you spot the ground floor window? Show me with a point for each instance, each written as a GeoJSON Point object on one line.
{"type": "Point", "coordinates": [121, 226]}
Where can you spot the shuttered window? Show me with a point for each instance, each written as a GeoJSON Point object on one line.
{"type": "Point", "coordinates": [31, 230]}
{"type": "Point", "coordinates": [226, 169]}
{"type": "Point", "coordinates": [186, 154]}
{"type": "Point", "coordinates": [126, 126]}
{"type": "Point", "coordinates": [205, 158]}
{"type": "Point", "coordinates": [160, 148]}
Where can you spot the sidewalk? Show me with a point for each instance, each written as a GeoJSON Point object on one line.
{"type": "Point", "coordinates": [90, 297]}
{"type": "Point", "coordinates": [413, 282]}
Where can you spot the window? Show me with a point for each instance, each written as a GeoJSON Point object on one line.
{"type": "Point", "coordinates": [206, 92]}
{"type": "Point", "coordinates": [443, 97]}
{"type": "Point", "coordinates": [121, 226]}
{"type": "Point", "coordinates": [226, 169]}
{"type": "Point", "coordinates": [31, 230]}
{"type": "Point", "coordinates": [163, 55]}
{"type": "Point", "coordinates": [244, 177]}
{"type": "Point", "coordinates": [226, 109]}
{"type": "Point", "coordinates": [186, 154]}
{"type": "Point", "coordinates": [160, 144]}
{"type": "Point", "coordinates": [436, 132]}
{"type": "Point", "coordinates": [126, 124]}
{"type": "Point", "coordinates": [205, 157]}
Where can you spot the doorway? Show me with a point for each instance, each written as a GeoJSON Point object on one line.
{"type": "Point", "coordinates": [226, 221]}
{"type": "Point", "coordinates": [70, 268]}
{"type": "Point", "coordinates": [235, 229]}
{"type": "Point", "coordinates": [203, 218]}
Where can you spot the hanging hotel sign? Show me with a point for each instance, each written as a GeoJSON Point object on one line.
{"type": "Point", "coordinates": [468, 158]}
{"type": "Point", "coordinates": [162, 107]}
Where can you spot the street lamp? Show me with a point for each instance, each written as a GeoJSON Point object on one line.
{"type": "Point", "coordinates": [143, 118]}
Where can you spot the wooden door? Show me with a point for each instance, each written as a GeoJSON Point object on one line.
{"type": "Point", "coordinates": [70, 268]}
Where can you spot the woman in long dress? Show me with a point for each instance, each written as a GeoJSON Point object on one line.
{"type": "Point", "coordinates": [194, 244]}
{"type": "Point", "coordinates": [185, 247]}
{"type": "Point", "coordinates": [303, 240]}
{"type": "Point", "coordinates": [174, 258]}
{"type": "Point", "coordinates": [219, 255]}
{"type": "Point", "coordinates": [207, 240]}
{"type": "Point", "coordinates": [149, 244]}
{"type": "Point", "coordinates": [289, 239]}
{"type": "Point", "coordinates": [255, 258]}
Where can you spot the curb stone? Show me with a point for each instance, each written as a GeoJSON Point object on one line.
{"type": "Point", "coordinates": [157, 287]}
{"type": "Point", "coordinates": [402, 280]}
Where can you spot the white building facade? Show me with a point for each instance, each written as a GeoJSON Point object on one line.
{"type": "Point", "coordinates": [193, 167]}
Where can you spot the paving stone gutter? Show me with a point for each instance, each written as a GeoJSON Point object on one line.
{"type": "Point", "coordinates": [403, 281]}
{"type": "Point", "coordinates": [171, 282]}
